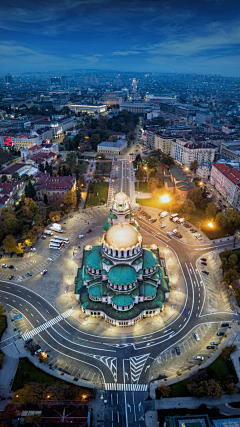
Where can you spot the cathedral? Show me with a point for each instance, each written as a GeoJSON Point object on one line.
{"type": "Point", "coordinates": [122, 280]}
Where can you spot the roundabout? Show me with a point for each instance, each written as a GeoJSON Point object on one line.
{"type": "Point", "coordinates": [127, 358]}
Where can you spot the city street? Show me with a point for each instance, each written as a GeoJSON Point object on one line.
{"type": "Point", "coordinates": [121, 360]}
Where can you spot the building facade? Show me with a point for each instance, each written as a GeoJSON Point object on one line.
{"type": "Point", "coordinates": [186, 152]}
{"type": "Point", "coordinates": [115, 148]}
{"type": "Point", "coordinates": [226, 180]}
{"type": "Point", "coordinates": [122, 280]}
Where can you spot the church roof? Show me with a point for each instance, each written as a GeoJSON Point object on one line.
{"type": "Point", "coordinates": [122, 275]}
{"type": "Point", "coordinates": [93, 258]}
{"type": "Point", "coordinates": [147, 290]}
{"type": "Point", "coordinates": [122, 300]}
{"type": "Point", "coordinates": [149, 259]}
{"type": "Point", "coordinates": [106, 226]}
{"type": "Point", "coordinates": [111, 215]}
{"type": "Point", "coordinates": [122, 236]}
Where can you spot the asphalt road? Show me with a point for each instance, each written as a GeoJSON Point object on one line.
{"type": "Point", "coordinates": [91, 350]}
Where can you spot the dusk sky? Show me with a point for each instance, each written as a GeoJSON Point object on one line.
{"type": "Point", "coordinates": [186, 36]}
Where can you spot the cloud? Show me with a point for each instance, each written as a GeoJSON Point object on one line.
{"type": "Point", "coordinates": [125, 53]}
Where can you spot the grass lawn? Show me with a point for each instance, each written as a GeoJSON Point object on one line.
{"type": "Point", "coordinates": [141, 186]}
{"type": "Point", "coordinates": [220, 369]}
{"type": "Point", "coordinates": [3, 324]}
{"type": "Point", "coordinates": [152, 203]}
{"type": "Point", "coordinates": [180, 388]}
{"type": "Point", "coordinates": [28, 373]}
{"type": "Point", "coordinates": [98, 190]}
{"type": "Point", "coordinates": [211, 233]}
{"type": "Point", "coordinates": [104, 168]}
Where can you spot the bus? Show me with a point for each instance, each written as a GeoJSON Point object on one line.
{"type": "Point", "coordinates": [61, 239]}
{"type": "Point", "coordinates": [55, 242]}
{"type": "Point", "coordinates": [54, 246]}
{"type": "Point", "coordinates": [173, 216]}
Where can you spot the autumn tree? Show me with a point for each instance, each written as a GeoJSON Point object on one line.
{"type": "Point", "coordinates": [211, 211]}
{"type": "Point", "coordinates": [227, 351]}
{"type": "Point", "coordinates": [163, 390]}
{"type": "Point", "coordinates": [194, 166]}
{"type": "Point", "coordinates": [70, 199]}
{"type": "Point", "coordinates": [187, 208]}
{"type": "Point", "coordinates": [55, 216]}
{"type": "Point", "coordinates": [152, 184]}
{"type": "Point", "coordinates": [231, 277]}
{"type": "Point", "coordinates": [9, 244]}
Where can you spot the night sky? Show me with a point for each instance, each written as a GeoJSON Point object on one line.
{"type": "Point", "coordinates": [197, 36]}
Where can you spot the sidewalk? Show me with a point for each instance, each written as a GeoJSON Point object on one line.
{"type": "Point", "coordinates": [193, 402]}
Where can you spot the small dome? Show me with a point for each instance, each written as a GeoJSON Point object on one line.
{"type": "Point", "coordinates": [121, 197]}
{"type": "Point", "coordinates": [122, 236]}
{"type": "Point", "coordinates": [122, 275]}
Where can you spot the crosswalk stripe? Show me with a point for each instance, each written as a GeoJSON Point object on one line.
{"type": "Point", "coordinates": [125, 387]}
{"type": "Point", "coordinates": [46, 325]}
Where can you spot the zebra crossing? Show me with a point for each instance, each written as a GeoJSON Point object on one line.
{"type": "Point", "coordinates": [125, 387]}
{"type": "Point", "coordinates": [46, 325]}
{"type": "Point", "coordinates": [136, 366]}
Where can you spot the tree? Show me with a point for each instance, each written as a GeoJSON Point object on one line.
{"type": "Point", "coordinates": [140, 174]}
{"type": "Point", "coordinates": [211, 211]}
{"type": "Point", "coordinates": [9, 244]}
{"type": "Point", "coordinates": [227, 351]}
{"type": "Point", "coordinates": [152, 184]}
{"type": "Point", "coordinates": [69, 172]}
{"type": "Point", "coordinates": [214, 389]}
{"type": "Point", "coordinates": [55, 216]}
{"type": "Point", "coordinates": [45, 198]}
{"type": "Point", "coordinates": [2, 311]}
{"type": "Point", "coordinates": [41, 167]}
{"type": "Point", "coordinates": [100, 156]}
{"type": "Point", "coordinates": [231, 277]}
{"type": "Point", "coordinates": [70, 199]}
{"type": "Point", "coordinates": [163, 390]}
{"type": "Point", "coordinates": [71, 159]}
{"type": "Point", "coordinates": [15, 175]}
{"type": "Point", "coordinates": [30, 393]}
{"type": "Point", "coordinates": [30, 191]}
{"type": "Point", "coordinates": [64, 170]}
{"type": "Point", "coordinates": [19, 249]}
{"type": "Point", "coordinates": [187, 207]}
{"type": "Point", "coordinates": [194, 166]}
{"type": "Point", "coordinates": [4, 178]}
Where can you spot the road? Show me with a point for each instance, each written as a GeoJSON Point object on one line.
{"type": "Point", "coordinates": [124, 360]}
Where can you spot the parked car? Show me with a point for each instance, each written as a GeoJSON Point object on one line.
{"type": "Point", "coordinates": [163, 226]}
{"type": "Point", "coordinates": [224, 325]}
{"type": "Point", "coordinates": [196, 336]}
{"type": "Point", "coordinates": [33, 249]}
{"type": "Point", "coordinates": [44, 237]}
{"type": "Point", "coordinates": [80, 236]}
{"type": "Point", "coordinates": [11, 277]}
{"type": "Point", "coordinates": [29, 273]}
{"type": "Point", "coordinates": [43, 272]}
{"type": "Point", "coordinates": [214, 343]}
{"type": "Point", "coordinates": [205, 272]}
{"type": "Point", "coordinates": [177, 350]}
{"type": "Point", "coordinates": [38, 351]}
{"type": "Point", "coordinates": [203, 259]}
{"type": "Point", "coordinates": [210, 347]}
{"type": "Point", "coordinates": [199, 358]}
{"type": "Point", "coordinates": [219, 334]}
{"type": "Point", "coordinates": [4, 266]}
{"type": "Point", "coordinates": [89, 230]}
{"type": "Point", "coordinates": [169, 234]}
{"type": "Point", "coordinates": [11, 267]}
{"type": "Point", "coordinates": [50, 259]}
{"type": "Point", "coordinates": [204, 263]}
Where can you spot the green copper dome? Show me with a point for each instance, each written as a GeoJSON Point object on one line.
{"type": "Point", "coordinates": [122, 300]}
{"type": "Point", "coordinates": [149, 259]}
{"type": "Point", "coordinates": [94, 258]}
{"type": "Point", "coordinates": [111, 215]}
{"type": "Point", "coordinates": [122, 275]}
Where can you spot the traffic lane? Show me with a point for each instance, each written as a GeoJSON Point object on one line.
{"type": "Point", "coordinates": [126, 408]}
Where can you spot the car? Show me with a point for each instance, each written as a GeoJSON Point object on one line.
{"type": "Point", "coordinates": [153, 220]}
{"type": "Point", "coordinates": [139, 217]}
{"type": "Point", "coordinates": [196, 336]}
{"type": "Point", "coordinates": [29, 273]}
{"type": "Point", "coordinates": [210, 347]}
{"type": "Point", "coordinates": [225, 325]}
{"type": "Point", "coordinates": [177, 350]}
{"type": "Point", "coordinates": [50, 259]}
{"type": "Point", "coordinates": [39, 350]}
{"type": "Point", "coordinates": [219, 334]}
{"type": "Point", "coordinates": [89, 230]}
{"type": "Point", "coordinates": [28, 341]}
{"type": "Point", "coordinates": [163, 226]}
{"type": "Point", "coordinates": [169, 234]}
{"type": "Point", "coordinates": [80, 236]}
{"type": "Point", "coordinates": [10, 277]}
{"type": "Point", "coordinates": [204, 263]}
{"type": "Point", "coordinates": [199, 358]}
{"type": "Point", "coordinates": [36, 347]}
{"type": "Point", "coordinates": [205, 272]}
{"type": "Point", "coordinates": [43, 272]}
{"type": "Point", "coordinates": [33, 249]}
{"type": "Point", "coordinates": [4, 266]}
{"type": "Point", "coordinates": [11, 267]}
{"type": "Point", "coordinates": [193, 231]}
{"type": "Point", "coordinates": [214, 343]}
{"type": "Point", "coordinates": [203, 259]}
{"type": "Point", "coordinates": [43, 237]}
{"type": "Point", "coordinates": [179, 235]}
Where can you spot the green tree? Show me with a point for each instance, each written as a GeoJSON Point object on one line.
{"type": "Point", "coordinates": [69, 172]}
{"type": "Point", "coordinates": [211, 211]}
{"type": "Point", "coordinates": [45, 198]}
{"type": "Point", "coordinates": [194, 165]}
{"type": "Point", "coordinates": [140, 174]}
{"type": "Point", "coordinates": [152, 184]}
{"type": "Point", "coordinates": [231, 277]}
{"type": "Point", "coordinates": [15, 175]}
{"type": "Point", "coordinates": [71, 159]}
{"type": "Point", "coordinates": [100, 156]}
{"type": "Point", "coordinates": [4, 178]}
{"type": "Point", "coordinates": [187, 208]}
{"type": "Point", "coordinates": [41, 167]}
{"type": "Point", "coordinates": [30, 190]}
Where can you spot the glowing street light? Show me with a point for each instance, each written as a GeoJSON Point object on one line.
{"type": "Point", "coordinates": [165, 198]}
{"type": "Point", "coordinates": [210, 224]}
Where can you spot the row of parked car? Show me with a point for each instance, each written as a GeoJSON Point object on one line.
{"type": "Point", "coordinates": [147, 216]}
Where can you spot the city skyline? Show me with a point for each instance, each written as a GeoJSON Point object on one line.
{"type": "Point", "coordinates": [176, 37]}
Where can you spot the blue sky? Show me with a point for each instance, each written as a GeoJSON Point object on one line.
{"type": "Point", "coordinates": [197, 36]}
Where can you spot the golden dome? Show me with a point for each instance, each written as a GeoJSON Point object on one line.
{"type": "Point", "coordinates": [122, 236]}
{"type": "Point", "coordinates": [121, 197]}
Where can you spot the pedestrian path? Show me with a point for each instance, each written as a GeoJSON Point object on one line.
{"type": "Point", "coordinates": [126, 387]}
{"type": "Point", "coordinates": [44, 326]}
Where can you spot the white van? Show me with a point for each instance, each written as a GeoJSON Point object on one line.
{"type": "Point", "coordinates": [175, 219]}
{"type": "Point", "coordinates": [163, 214]}
{"type": "Point", "coordinates": [173, 216]}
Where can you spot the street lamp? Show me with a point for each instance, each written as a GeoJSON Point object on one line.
{"type": "Point", "coordinates": [165, 198]}
{"type": "Point", "coordinates": [199, 225]}
{"type": "Point", "coordinates": [210, 224]}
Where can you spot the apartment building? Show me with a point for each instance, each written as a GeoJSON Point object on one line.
{"type": "Point", "coordinates": [53, 185]}
{"type": "Point", "coordinates": [226, 180]}
{"type": "Point", "coordinates": [186, 152]}
{"type": "Point", "coordinates": [115, 148]}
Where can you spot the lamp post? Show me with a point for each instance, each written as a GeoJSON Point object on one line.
{"type": "Point", "coordinates": [199, 225]}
